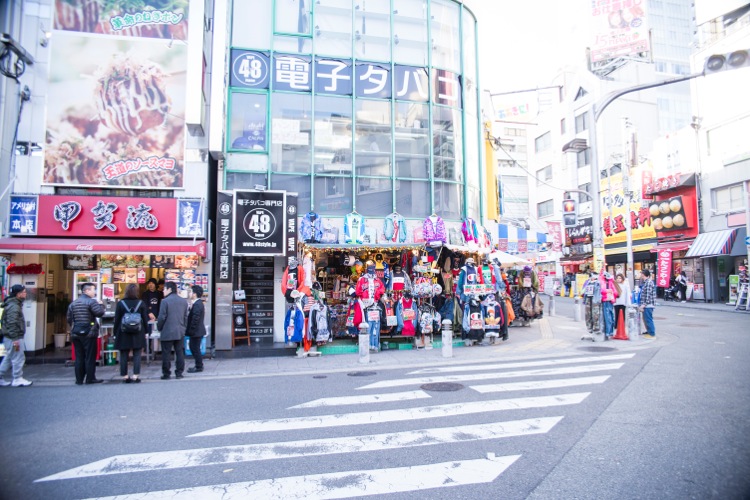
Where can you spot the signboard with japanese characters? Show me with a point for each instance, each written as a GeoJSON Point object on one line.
{"type": "Point", "coordinates": [259, 223]}
{"type": "Point", "coordinates": [116, 217]}
{"type": "Point", "coordinates": [250, 69]}
{"type": "Point", "coordinates": [411, 83]}
{"type": "Point", "coordinates": [373, 80]}
{"type": "Point", "coordinates": [579, 238]}
{"type": "Point", "coordinates": [615, 223]}
{"type": "Point", "coordinates": [116, 98]}
{"type": "Point", "coordinates": [446, 88]}
{"type": "Point", "coordinates": [664, 268]}
{"type": "Point", "coordinates": [333, 76]}
{"type": "Point", "coordinates": [291, 225]}
{"type": "Point", "coordinates": [291, 73]}
{"type": "Point", "coordinates": [224, 218]}
{"type": "Point", "coordinates": [23, 215]}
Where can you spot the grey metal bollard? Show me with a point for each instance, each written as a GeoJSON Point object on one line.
{"type": "Point", "coordinates": [633, 323]}
{"type": "Point", "coordinates": [577, 310]}
{"type": "Point", "coordinates": [364, 343]}
{"type": "Point", "coordinates": [552, 305]}
{"type": "Point", "coordinates": [447, 338]}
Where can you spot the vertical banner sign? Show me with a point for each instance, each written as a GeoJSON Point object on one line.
{"type": "Point", "coordinates": [291, 226]}
{"type": "Point", "coordinates": [259, 223]}
{"type": "Point", "coordinates": [664, 268]}
{"type": "Point", "coordinates": [554, 230]}
{"type": "Point", "coordinates": [223, 260]}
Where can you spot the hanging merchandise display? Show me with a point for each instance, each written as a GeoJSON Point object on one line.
{"type": "Point", "coordinates": [354, 229]}
{"type": "Point", "coordinates": [470, 232]}
{"type": "Point", "coordinates": [311, 228]}
{"type": "Point", "coordinates": [433, 230]}
{"type": "Point", "coordinates": [293, 279]}
{"type": "Point", "coordinates": [394, 228]}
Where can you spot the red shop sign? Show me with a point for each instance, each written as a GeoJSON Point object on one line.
{"type": "Point", "coordinates": [664, 268]}
{"type": "Point", "coordinates": [107, 217]}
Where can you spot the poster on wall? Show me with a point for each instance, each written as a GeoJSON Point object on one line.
{"type": "Point", "coordinates": [79, 262]}
{"type": "Point", "coordinates": [668, 215]}
{"type": "Point", "coordinates": [664, 268]}
{"type": "Point", "coordinates": [259, 223]}
{"type": "Point", "coordinates": [619, 29]}
{"type": "Point", "coordinates": [116, 105]}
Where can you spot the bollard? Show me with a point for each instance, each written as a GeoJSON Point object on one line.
{"type": "Point", "coordinates": [633, 324]}
{"type": "Point", "coordinates": [577, 309]}
{"type": "Point", "coordinates": [552, 305]}
{"type": "Point", "coordinates": [447, 338]}
{"type": "Point", "coordinates": [364, 343]}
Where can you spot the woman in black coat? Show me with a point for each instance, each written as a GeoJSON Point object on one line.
{"type": "Point", "coordinates": [125, 341]}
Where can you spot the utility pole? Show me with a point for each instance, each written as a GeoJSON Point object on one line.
{"type": "Point", "coordinates": [631, 160]}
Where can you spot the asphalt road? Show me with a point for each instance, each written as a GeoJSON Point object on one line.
{"type": "Point", "coordinates": [665, 420]}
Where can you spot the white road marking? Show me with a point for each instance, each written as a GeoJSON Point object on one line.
{"type": "Point", "coordinates": [523, 364]}
{"type": "Point", "coordinates": [401, 415]}
{"type": "Point", "coordinates": [348, 484]}
{"type": "Point", "coordinates": [175, 459]}
{"type": "Point", "coordinates": [358, 400]}
{"type": "Point", "coordinates": [539, 384]}
{"type": "Point", "coordinates": [493, 377]}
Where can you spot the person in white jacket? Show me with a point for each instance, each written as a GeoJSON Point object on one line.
{"type": "Point", "coordinates": [623, 300]}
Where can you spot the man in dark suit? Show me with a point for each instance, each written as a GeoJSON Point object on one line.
{"type": "Point", "coordinates": [196, 330]}
{"type": "Point", "coordinates": [171, 323]}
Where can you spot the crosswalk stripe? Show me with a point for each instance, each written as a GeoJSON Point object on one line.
{"type": "Point", "coordinates": [522, 364]}
{"type": "Point", "coordinates": [401, 415]}
{"type": "Point", "coordinates": [493, 376]}
{"type": "Point", "coordinates": [348, 484]}
{"type": "Point", "coordinates": [364, 399]}
{"type": "Point", "coordinates": [539, 384]}
{"type": "Point", "coordinates": [201, 457]}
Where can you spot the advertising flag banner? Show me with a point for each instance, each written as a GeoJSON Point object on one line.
{"type": "Point", "coordinates": [619, 29]}
{"type": "Point", "coordinates": [554, 229]}
{"type": "Point", "coordinates": [224, 219]}
{"type": "Point", "coordinates": [259, 223]}
{"type": "Point", "coordinates": [116, 101]}
{"type": "Point", "coordinates": [664, 268]}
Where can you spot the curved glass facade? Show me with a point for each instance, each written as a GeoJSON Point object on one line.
{"type": "Point", "coordinates": [367, 105]}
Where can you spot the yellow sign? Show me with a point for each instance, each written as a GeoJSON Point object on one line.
{"type": "Point", "coordinates": [615, 225]}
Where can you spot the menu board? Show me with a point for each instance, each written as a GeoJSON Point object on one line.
{"type": "Point", "coordinates": [256, 279]}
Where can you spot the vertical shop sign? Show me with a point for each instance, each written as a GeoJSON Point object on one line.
{"type": "Point", "coordinates": [664, 268]}
{"type": "Point", "coordinates": [259, 223]}
{"type": "Point", "coordinates": [224, 210]}
{"type": "Point", "coordinates": [24, 211]}
{"type": "Point", "coordinates": [291, 225]}
{"type": "Point", "coordinates": [554, 230]}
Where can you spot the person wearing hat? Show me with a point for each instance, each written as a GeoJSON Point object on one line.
{"type": "Point", "coordinates": [14, 329]}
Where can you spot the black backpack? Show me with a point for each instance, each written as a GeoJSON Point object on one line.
{"type": "Point", "coordinates": [132, 322]}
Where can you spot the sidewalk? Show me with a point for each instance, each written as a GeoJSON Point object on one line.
{"type": "Point", "coordinates": [546, 337]}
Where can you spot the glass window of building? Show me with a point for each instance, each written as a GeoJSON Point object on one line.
{"type": "Point", "coordinates": [544, 209]}
{"type": "Point", "coordinates": [412, 140]}
{"type": "Point", "coordinates": [299, 184]}
{"type": "Point", "coordinates": [292, 44]}
{"type": "Point", "coordinates": [449, 200]}
{"type": "Point", "coordinates": [247, 127]}
{"type": "Point", "coordinates": [471, 150]}
{"type": "Point", "coordinates": [410, 32]}
{"type": "Point", "coordinates": [544, 175]}
{"type": "Point", "coordinates": [333, 195]}
{"type": "Point", "coordinates": [374, 196]}
{"type": "Point", "coordinates": [583, 158]}
{"type": "Point", "coordinates": [562, 126]}
{"type": "Point", "coordinates": [582, 122]}
{"type": "Point", "coordinates": [241, 162]}
{"type": "Point", "coordinates": [446, 47]}
{"type": "Point", "coordinates": [333, 135]}
{"type": "Point", "coordinates": [333, 27]}
{"type": "Point", "coordinates": [373, 145]}
{"type": "Point", "coordinates": [261, 12]}
{"type": "Point", "coordinates": [372, 30]}
{"type": "Point", "coordinates": [729, 198]}
{"type": "Point", "coordinates": [468, 37]}
{"type": "Point", "coordinates": [413, 198]}
{"type": "Point", "coordinates": [292, 16]}
{"type": "Point", "coordinates": [245, 180]}
{"type": "Point", "coordinates": [543, 142]}
{"type": "Point", "coordinates": [447, 143]}
{"type": "Point", "coordinates": [473, 203]}
{"type": "Point", "coordinates": [291, 127]}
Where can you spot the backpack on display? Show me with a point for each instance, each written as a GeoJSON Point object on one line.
{"type": "Point", "coordinates": [132, 322]}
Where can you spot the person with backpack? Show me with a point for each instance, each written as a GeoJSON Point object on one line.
{"type": "Point", "coordinates": [84, 330]}
{"type": "Point", "coordinates": [13, 330]}
{"type": "Point", "coordinates": [131, 320]}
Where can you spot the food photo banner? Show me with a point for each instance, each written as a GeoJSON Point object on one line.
{"type": "Point", "coordinates": [116, 103]}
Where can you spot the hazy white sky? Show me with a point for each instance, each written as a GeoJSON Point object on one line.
{"type": "Point", "coordinates": [523, 42]}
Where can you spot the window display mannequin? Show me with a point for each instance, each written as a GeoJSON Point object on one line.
{"type": "Point", "coordinates": [592, 299]}
{"type": "Point", "coordinates": [399, 282]}
{"type": "Point", "coordinates": [469, 276]}
{"type": "Point", "coordinates": [293, 279]}
{"type": "Point", "coordinates": [369, 290]}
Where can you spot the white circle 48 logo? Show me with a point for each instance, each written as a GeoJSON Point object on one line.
{"type": "Point", "coordinates": [259, 224]}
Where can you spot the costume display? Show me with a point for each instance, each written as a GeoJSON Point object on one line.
{"type": "Point", "coordinates": [320, 321]}
{"type": "Point", "coordinates": [473, 323]}
{"type": "Point", "coordinates": [592, 299]}
{"type": "Point", "coordinates": [293, 279]}
{"type": "Point", "coordinates": [406, 314]}
{"type": "Point", "coordinates": [399, 282]}
{"type": "Point", "coordinates": [369, 290]}
{"type": "Point", "coordinates": [494, 319]}
{"type": "Point", "coordinates": [294, 321]}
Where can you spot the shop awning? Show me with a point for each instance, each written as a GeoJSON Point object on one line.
{"type": "Point", "coordinates": [96, 246]}
{"type": "Point", "coordinates": [622, 250]}
{"type": "Point", "coordinates": [712, 243]}
{"type": "Point", "coordinates": [674, 246]}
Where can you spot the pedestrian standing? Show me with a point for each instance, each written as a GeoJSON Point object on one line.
{"type": "Point", "coordinates": [610, 292]}
{"type": "Point", "coordinates": [13, 331]}
{"type": "Point", "coordinates": [130, 337]}
{"type": "Point", "coordinates": [624, 300]}
{"type": "Point", "coordinates": [152, 298]}
{"type": "Point", "coordinates": [84, 332]}
{"type": "Point", "coordinates": [196, 329]}
{"type": "Point", "coordinates": [681, 281]}
{"type": "Point", "coordinates": [648, 302]}
{"type": "Point", "coordinates": [592, 298]}
{"type": "Point", "coordinates": [172, 323]}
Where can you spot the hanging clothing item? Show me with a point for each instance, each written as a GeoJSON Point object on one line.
{"type": "Point", "coordinates": [369, 288]}
{"type": "Point", "coordinates": [469, 231]}
{"type": "Point", "coordinates": [486, 238]}
{"type": "Point", "coordinates": [467, 276]}
{"type": "Point", "coordinates": [311, 228]}
{"type": "Point", "coordinates": [433, 229]}
{"type": "Point", "coordinates": [330, 233]}
{"type": "Point", "coordinates": [308, 267]}
{"type": "Point", "coordinates": [293, 279]}
{"type": "Point", "coordinates": [473, 323]}
{"type": "Point", "coordinates": [406, 315]}
{"type": "Point", "coordinates": [488, 276]}
{"type": "Point", "coordinates": [320, 321]}
{"type": "Point", "coordinates": [394, 228]}
{"type": "Point", "coordinates": [429, 319]}
{"type": "Point", "coordinates": [294, 323]}
{"type": "Point", "coordinates": [455, 237]}
{"type": "Point", "coordinates": [388, 320]}
{"type": "Point", "coordinates": [382, 271]}
{"type": "Point", "coordinates": [354, 229]}
{"type": "Point", "coordinates": [493, 317]}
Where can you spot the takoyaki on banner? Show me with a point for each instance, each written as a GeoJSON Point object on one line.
{"type": "Point", "coordinates": [614, 225]}
{"type": "Point", "coordinates": [116, 99]}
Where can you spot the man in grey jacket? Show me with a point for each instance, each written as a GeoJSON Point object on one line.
{"type": "Point", "coordinates": [171, 323]}
{"type": "Point", "coordinates": [14, 329]}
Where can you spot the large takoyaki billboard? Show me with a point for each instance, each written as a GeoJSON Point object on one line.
{"type": "Point", "coordinates": [116, 99]}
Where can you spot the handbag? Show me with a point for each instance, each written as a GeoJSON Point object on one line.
{"type": "Point", "coordinates": [81, 329]}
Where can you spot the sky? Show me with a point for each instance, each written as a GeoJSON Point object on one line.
{"type": "Point", "coordinates": [523, 42]}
